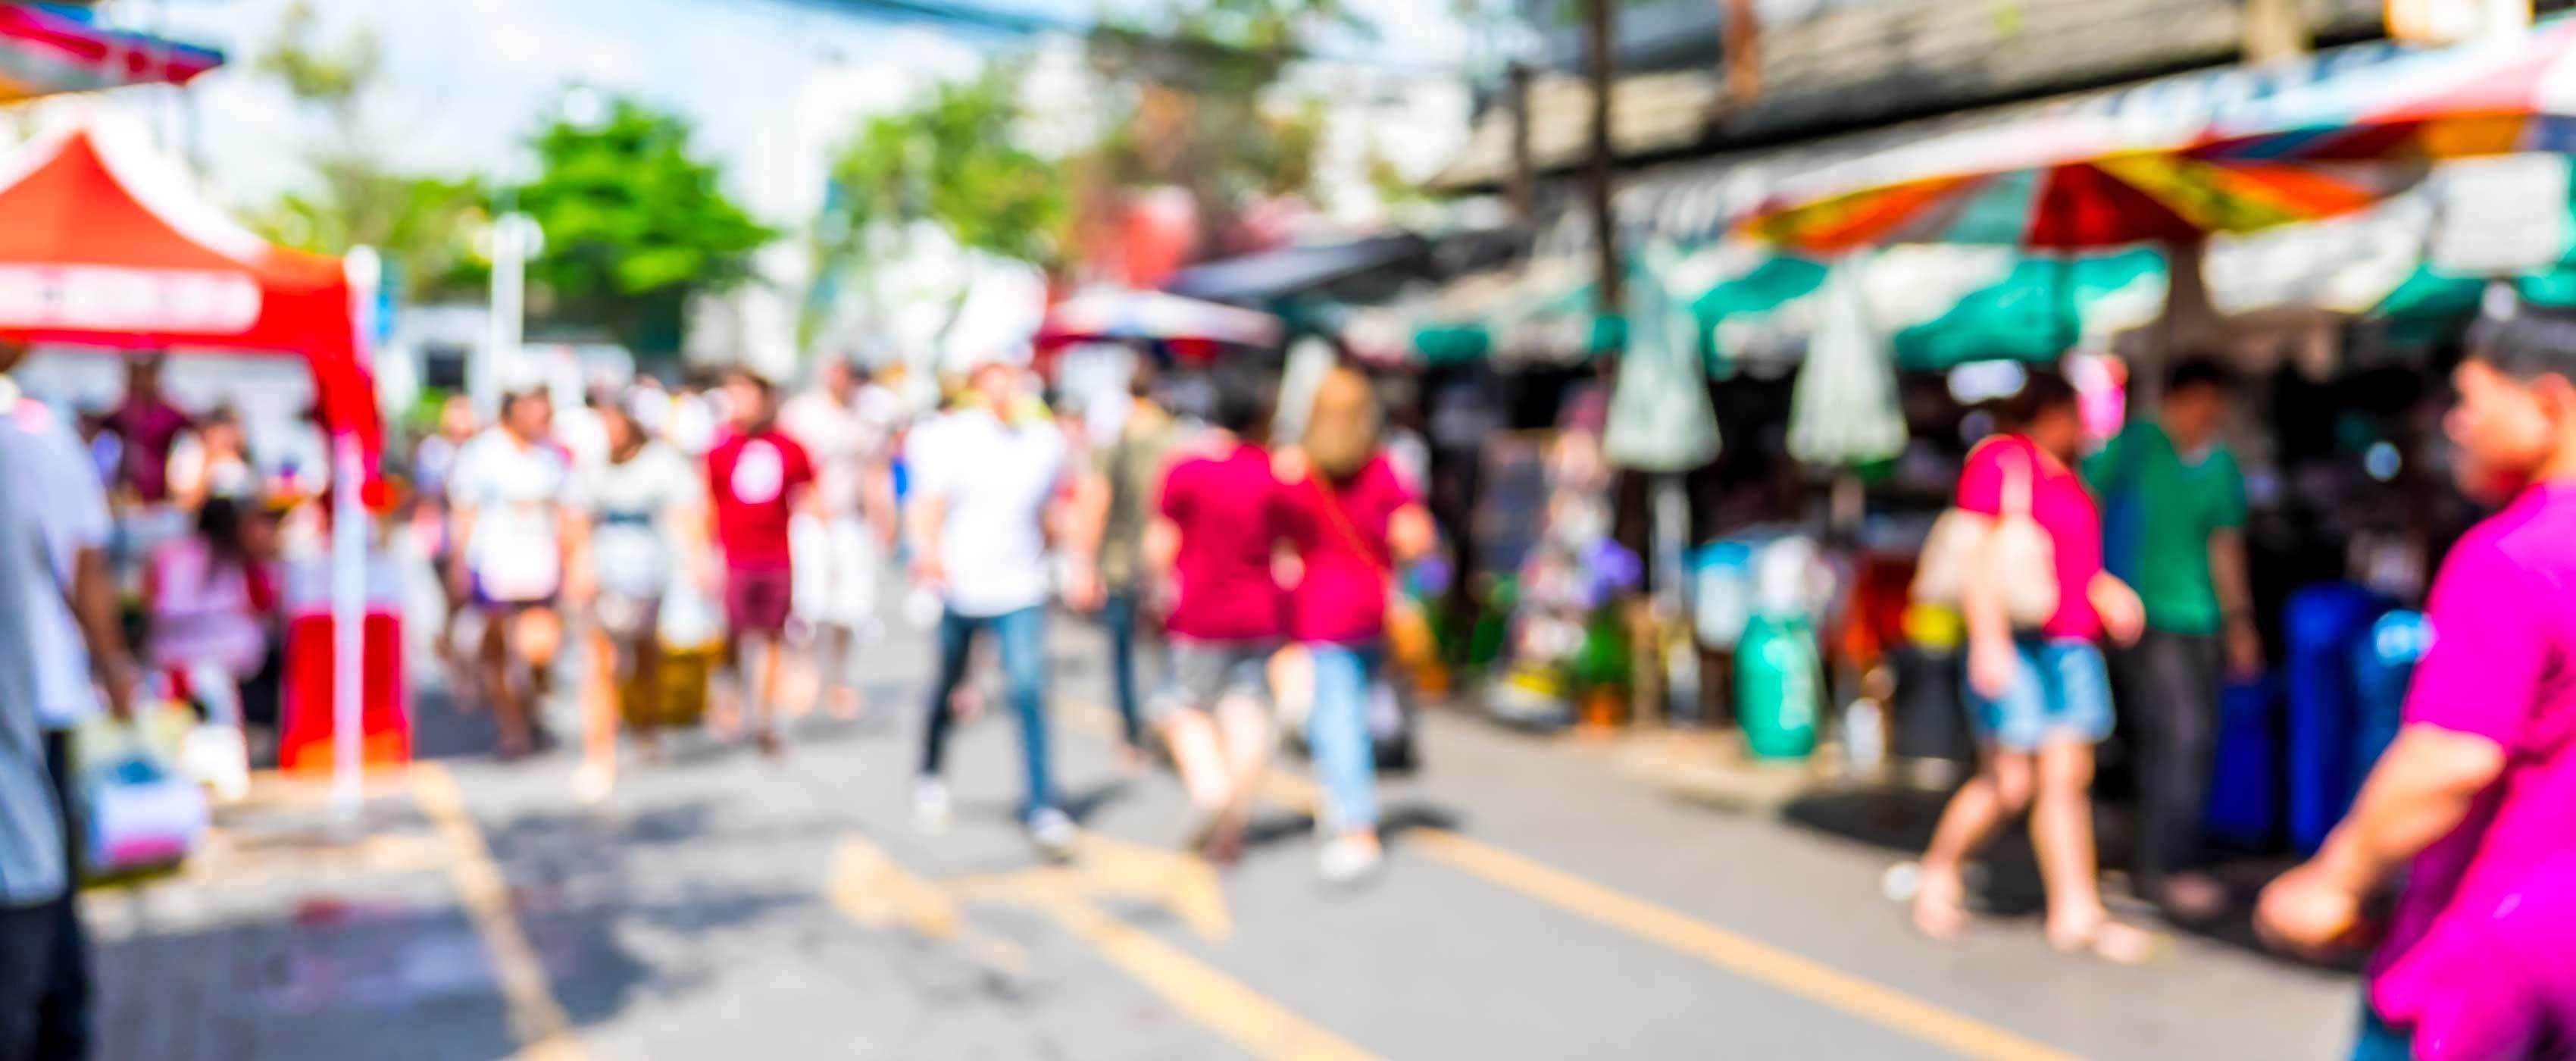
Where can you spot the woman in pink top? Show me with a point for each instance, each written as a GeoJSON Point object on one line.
{"type": "Point", "coordinates": [212, 597]}
{"type": "Point", "coordinates": [2040, 698]}
{"type": "Point", "coordinates": [1352, 520]}
{"type": "Point", "coordinates": [2472, 799]}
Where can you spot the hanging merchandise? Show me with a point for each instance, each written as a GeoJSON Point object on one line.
{"type": "Point", "coordinates": [1845, 408]}
{"type": "Point", "coordinates": [1660, 416]}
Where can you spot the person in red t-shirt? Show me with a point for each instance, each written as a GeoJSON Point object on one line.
{"type": "Point", "coordinates": [759, 479]}
{"type": "Point", "coordinates": [1211, 545]}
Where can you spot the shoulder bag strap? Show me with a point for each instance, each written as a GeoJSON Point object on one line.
{"type": "Point", "coordinates": [1342, 526]}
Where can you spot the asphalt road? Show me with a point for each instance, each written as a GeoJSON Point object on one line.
{"type": "Point", "coordinates": [1538, 904]}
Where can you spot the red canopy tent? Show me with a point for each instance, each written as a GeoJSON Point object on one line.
{"type": "Point", "coordinates": [102, 243]}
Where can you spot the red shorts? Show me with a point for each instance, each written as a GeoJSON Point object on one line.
{"type": "Point", "coordinates": [758, 600]}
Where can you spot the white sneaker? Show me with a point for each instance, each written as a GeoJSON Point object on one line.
{"type": "Point", "coordinates": [1053, 832]}
{"type": "Point", "coordinates": [1349, 859]}
{"type": "Point", "coordinates": [931, 808]}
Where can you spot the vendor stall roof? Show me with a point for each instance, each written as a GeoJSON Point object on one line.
{"type": "Point", "coordinates": [103, 243]}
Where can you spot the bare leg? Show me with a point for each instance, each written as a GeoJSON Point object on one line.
{"type": "Point", "coordinates": [835, 653]}
{"type": "Point", "coordinates": [2061, 827]}
{"type": "Point", "coordinates": [1999, 792]}
{"type": "Point", "coordinates": [598, 771]}
{"type": "Point", "coordinates": [1198, 752]}
{"type": "Point", "coordinates": [538, 638]}
{"type": "Point", "coordinates": [645, 655]}
{"type": "Point", "coordinates": [764, 665]}
{"type": "Point", "coordinates": [1245, 725]}
{"type": "Point", "coordinates": [500, 690]}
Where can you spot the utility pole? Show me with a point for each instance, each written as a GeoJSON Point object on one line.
{"type": "Point", "coordinates": [1523, 187]}
{"type": "Point", "coordinates": [1601, 42]}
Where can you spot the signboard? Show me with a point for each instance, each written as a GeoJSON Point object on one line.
{"type": "Point", "coordinates": [108, 298]}
{"type": "Point", "coordinates": [2446, 22]}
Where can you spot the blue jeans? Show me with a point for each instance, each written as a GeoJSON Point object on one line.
{"type": "Point", "coordinates": [1023, 635]}
{"type": "Point", "coordinates": [2378, 1041]}
{"type": "Point", "coordinates": [1119, 615]}
{"type": "Point", "coordinates": [2063, 691]}
{"type": "Point", "coordinates": [1337, 735]}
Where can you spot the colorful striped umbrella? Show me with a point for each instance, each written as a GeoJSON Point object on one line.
{"type": "Point", "coordinates": [43, 52]}
{"type": "Point", "coordinates": [2070, 183]}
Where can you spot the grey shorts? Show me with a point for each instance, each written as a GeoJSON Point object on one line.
{"type": "Point", "coordinates": [626, 617]}
{"type": "Point", "coordinates": [1203, 673]}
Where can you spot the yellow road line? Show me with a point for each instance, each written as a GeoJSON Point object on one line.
{"type": "Point", "coordinates": [1254, 1023]}
{"type": "Point", "coordinates": [1769, 965]}
{"type": "Point", "coordinates": [536, 1018]}
{"type": "Point", "coordinates": [871, 889]}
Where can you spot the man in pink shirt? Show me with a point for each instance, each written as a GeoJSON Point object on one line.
{"type": "Point", "coordinates": [1212, 541]}
{"type": "Point", "coordinates": [2473, 799]}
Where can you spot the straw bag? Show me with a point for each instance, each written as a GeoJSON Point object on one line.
{"type": "Point", "coordinates": [2025, 561]}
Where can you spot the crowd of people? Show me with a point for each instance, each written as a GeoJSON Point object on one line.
{"type": "Point", "coordinates": [1261, 564]}
{"type": "Point", "coordinates": [2139, 547]}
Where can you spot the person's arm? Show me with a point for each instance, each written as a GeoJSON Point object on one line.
{"type": "Point", "coordinates": [2470, 701]}
{"type": "Point", "coordinates": [1411, 534]}
{"type": "Point", "coordinates": [929, 516]}
{"type": "Point", "coordinates": [1086, 525]}
{"type": "Point", "coordinates": [2228, 574]}
{"type": "Point", "coordinates": [93, 601]}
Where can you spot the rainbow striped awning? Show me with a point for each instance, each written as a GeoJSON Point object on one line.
{"type": "Point", "coordinates": [44, 52]}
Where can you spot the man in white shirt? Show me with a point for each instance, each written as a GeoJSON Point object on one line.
{"type": "Point", "coordinates": [986, 479]}
{"type": "Point", "coordinates": [847, 425]}
{"type": "Point", "coordinates": [60, 597]}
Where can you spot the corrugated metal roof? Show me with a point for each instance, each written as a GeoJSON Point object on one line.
{"type": "Point", "coordinates": [1874, 63]}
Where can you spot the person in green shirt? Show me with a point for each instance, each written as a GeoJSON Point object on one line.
{"type": "Point", "coordinates": [1113, 504]}
{"type": "Point", "coordinates": [2173, 527]}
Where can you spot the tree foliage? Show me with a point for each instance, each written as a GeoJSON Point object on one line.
{"type": "Point", "coordinates": [422, 225]}
{"type": "Point", "coordinates": [951, 161]}
{"type": "Point", "coordinates": [634, 225]}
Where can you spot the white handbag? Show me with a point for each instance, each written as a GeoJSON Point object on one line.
{"type": "Point", "coordinates": [2024, 560]}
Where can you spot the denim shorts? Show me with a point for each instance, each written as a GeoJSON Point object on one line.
{"type": "Point", "coordinates": [2062, 691]}
{"type": "Point", "coordinates": [1206, 672]}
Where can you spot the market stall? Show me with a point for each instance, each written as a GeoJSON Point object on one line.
{"type": "Point", "coordinates": [105, 246]}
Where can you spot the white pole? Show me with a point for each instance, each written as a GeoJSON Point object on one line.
{"type": "Point", "coordinates": [348, 626]}
{"type": "Point", "coordinates": [514, 236]}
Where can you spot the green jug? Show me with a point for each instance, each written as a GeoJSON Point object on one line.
{"type": "Point", "coordinates": [1779, 687]}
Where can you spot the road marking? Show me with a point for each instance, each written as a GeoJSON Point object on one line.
{"type": "Point", "coordinates": [1259, 1026]}
{"type": "Point", "coordinates": [536, 1018]}
{"type": "Point", "coordinates": [1766, 964]}
{"type": "Point", "coordinates": [870, 888]}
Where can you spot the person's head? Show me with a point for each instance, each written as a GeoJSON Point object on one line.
{"type": "Point", "coordinates": [2044, 411]}
{"type": "Point", "coordinates": [456, 417]}
{"type": "Point", "coordinates": [2196, 401]}
{"type": "Point", "coordinates": [1341, 432]}
{"type": "Point", "coordinates": [994, 384]}
{"type": "Point", "coordinates": [1242, 410]}
{"type": "Point", "coordinates": [220, 432]}
{"type": "Point", "coordinates": [625, 435]}
{"type": "Point", "coordinates": [839, 378]}
{"type": "Point", "coordinates": [1141, 379]}
{"type": "Point", "coordinates": [225, 527]}
{"type": "Point", "coordinates": [747, 395]}
{"type": "Point", "coordinates": [527, 414]}
{"type": "Point", "coordinates": [2515, 418]}
{"type": "Point", "coordinates": [143, 377]}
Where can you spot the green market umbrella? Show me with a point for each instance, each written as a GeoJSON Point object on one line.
{"type": "Point", "coordinates": [2039, 309]}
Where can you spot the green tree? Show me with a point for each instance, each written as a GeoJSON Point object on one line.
{"type": "Point", "coordinates": [634, 226]}
{"type": "Point", "coordinates": [950, 162]}
{"type": "Point", "coordinates": [423, 225]}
